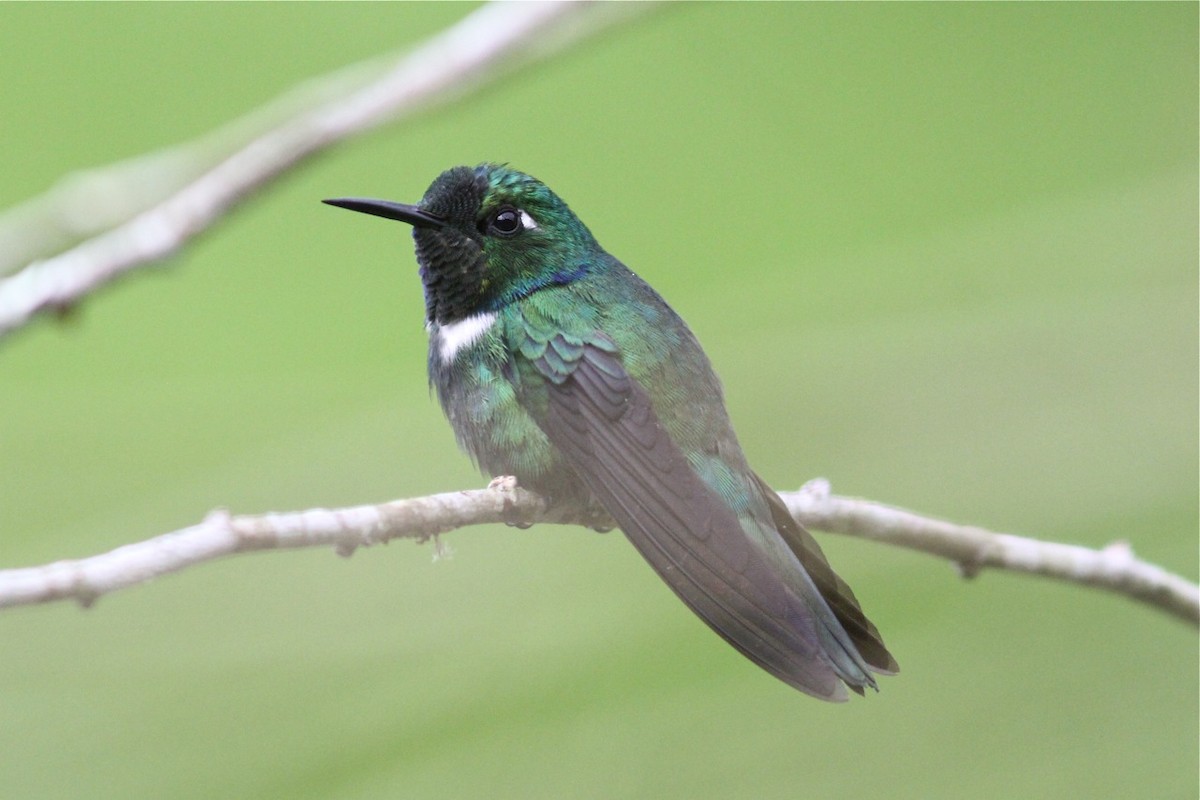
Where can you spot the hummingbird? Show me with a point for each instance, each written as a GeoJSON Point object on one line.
{"type": "Point", "coordinates": [557, 365]}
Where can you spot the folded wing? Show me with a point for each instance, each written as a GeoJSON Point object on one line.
{"type": "Point", "coordinates": [604, 424]}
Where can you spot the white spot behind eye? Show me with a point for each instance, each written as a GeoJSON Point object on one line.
{"type": "Point", "coordinates": [527, 221]}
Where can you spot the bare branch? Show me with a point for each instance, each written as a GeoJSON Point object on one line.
{"type": "Point", "coordinates": [220, 534]}
{"type": "Point", "coordinates": [164, 199]}
{"type": "Point", "coordinates": [1114, 568]}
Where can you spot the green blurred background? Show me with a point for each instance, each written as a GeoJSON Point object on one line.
{"type": "Point", "coordinates": [944, 255]}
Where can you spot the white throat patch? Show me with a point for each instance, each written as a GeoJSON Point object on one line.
{"type": "Point", "coordinates": [457, 336]}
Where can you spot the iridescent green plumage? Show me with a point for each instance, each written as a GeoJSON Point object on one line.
{"type": "Point", "coordinates": [556, 364]}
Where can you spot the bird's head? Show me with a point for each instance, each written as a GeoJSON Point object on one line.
{"type": "Point", "coordinates": [487, 236]}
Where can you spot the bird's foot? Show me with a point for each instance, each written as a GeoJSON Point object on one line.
{"type": "Point", "coordinates": [594, 516]}
{"type": "Point", "coordinates": [567, 509]}
{"type": "Point", "coordinates": [503, 483]}
{"type": "Point", "coordinates": [514, 516]}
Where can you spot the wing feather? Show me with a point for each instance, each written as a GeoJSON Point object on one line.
{"type": "Point", "coordinates": [604, 424]}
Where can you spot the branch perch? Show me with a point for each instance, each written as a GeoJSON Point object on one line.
{"type": "Point", "coordinates": [1114, 568]}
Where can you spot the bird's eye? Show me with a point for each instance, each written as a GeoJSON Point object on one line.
{"type": "Point", "coordinates": [507, 222]}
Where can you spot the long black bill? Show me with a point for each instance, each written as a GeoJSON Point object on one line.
{"type": "Point", "coordinates": [385, 208]}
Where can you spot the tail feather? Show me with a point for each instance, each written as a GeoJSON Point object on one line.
{"type": "Point", "coordinates": [833, 589]}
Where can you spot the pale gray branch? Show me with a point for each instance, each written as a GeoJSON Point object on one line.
{"type": "Point", "coordinates": [971, 548]}
{"type": "Point", "coordinates": [220, 534]}
{"type": "Point", "coordinates": [144, 209]}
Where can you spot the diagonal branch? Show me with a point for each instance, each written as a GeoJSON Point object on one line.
{"type": "Point", "coordinates": [220, 534]}
{"type": "Point", "coordinates": [164, 199]}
